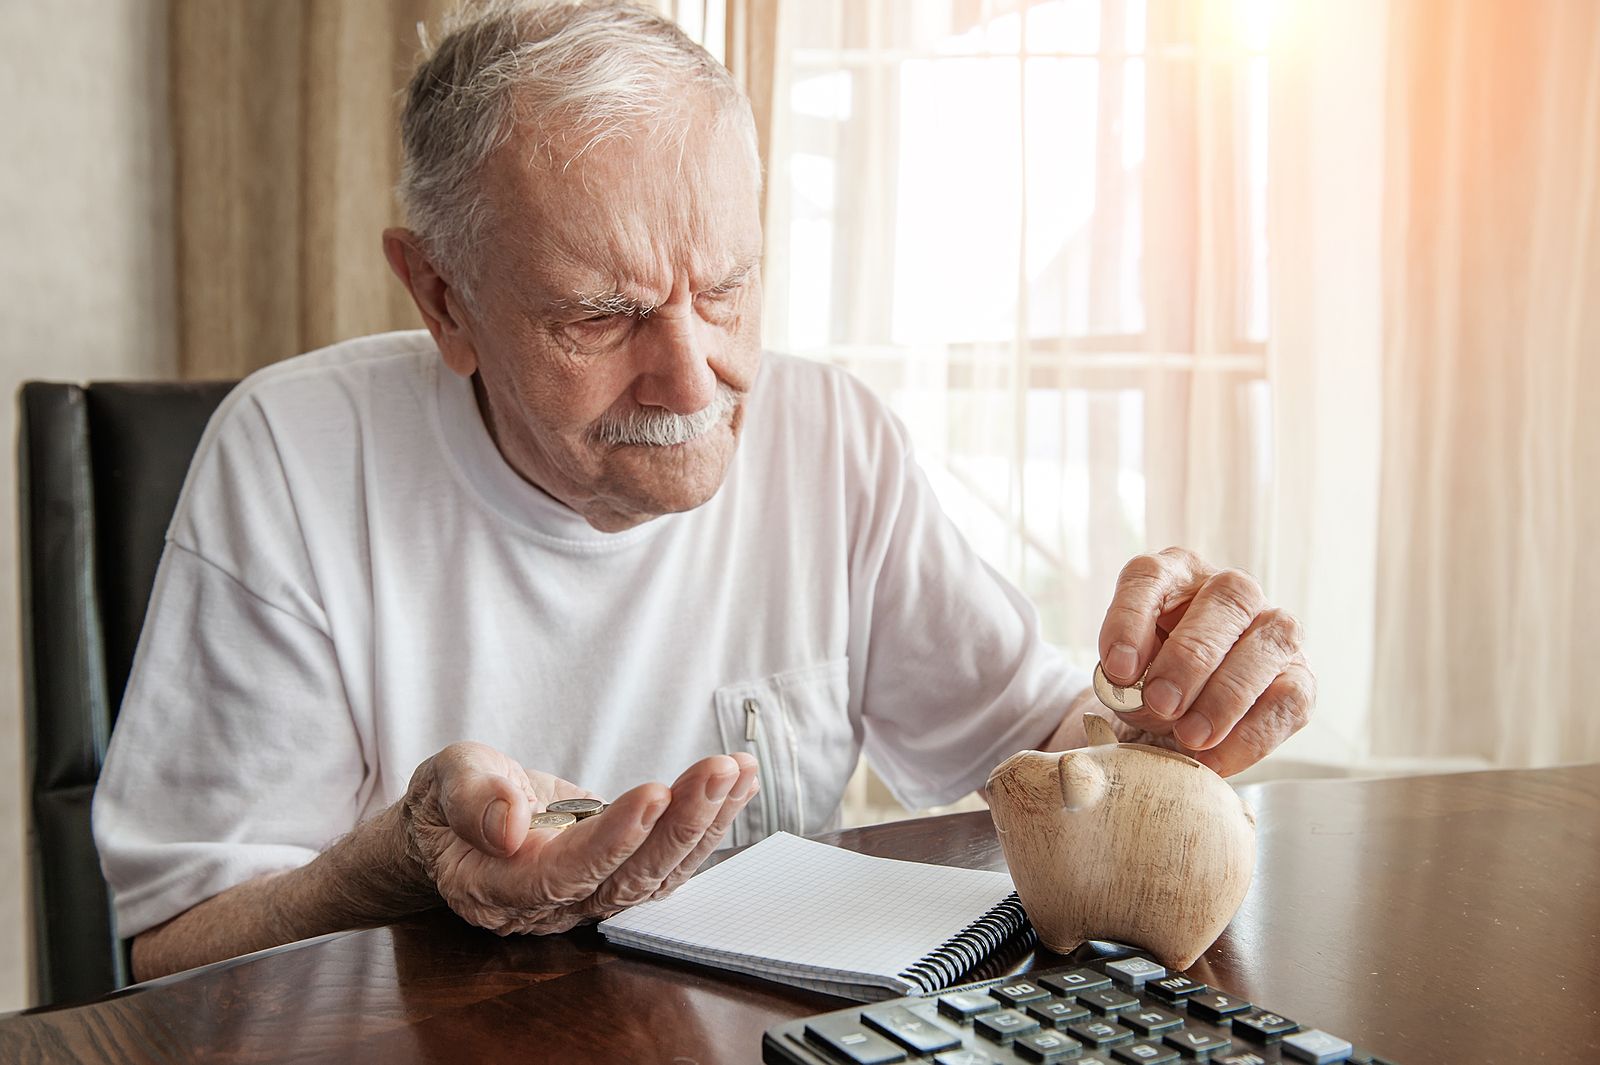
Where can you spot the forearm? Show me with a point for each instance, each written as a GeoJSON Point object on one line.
{"type": "Point", "coordinates": [1069, 734]}
{"type": "Point", "coordinates": [363, 878]}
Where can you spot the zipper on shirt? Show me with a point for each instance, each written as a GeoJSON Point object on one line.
{"type": "Point", "coordinates": [755, 734]}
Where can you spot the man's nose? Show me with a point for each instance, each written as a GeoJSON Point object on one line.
{"type": "Point", "coordinates": [674, 368]}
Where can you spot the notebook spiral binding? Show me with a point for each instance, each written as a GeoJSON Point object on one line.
{"type": "Point", "coordinates": [963, 951]}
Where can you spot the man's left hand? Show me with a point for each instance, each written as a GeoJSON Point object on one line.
{"type": "Point", "coordinates": [1227, 680]}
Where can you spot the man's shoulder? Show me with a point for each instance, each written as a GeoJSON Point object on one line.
{"type": "Point", "coordinates": [807, 392]}
{"type": "Point", "coordinates": [336, 385]}
{"type": "Point", "coordinates": [378, 360]}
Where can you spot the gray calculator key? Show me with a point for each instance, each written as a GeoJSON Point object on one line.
{"type": "Point", "coordinates": [1145, 1054]}
{"type": "Point", "coordinates": [846, 1037]}
{"type": "Point", "coordinates": [1317, 1047]}
{"type": "Point", "coordinates": [909, 1030]}
{"type": "Point", "coordinates": [1193, 1043]}
{"type": "Point", "coordinates": [1047, 1047]}
{"type": "Point", "coordinates": [1262, 1026]}
{"type": "Point", "coordinates": [1004, 1026]}
{"type": "Point", "coordinates": [1099, 1033]}
{"type": "Point", "coordinates": [964, 1005]}
{"type": "Point", "coordinates": [1019, 992]}
{"type": "Point", "coordinates": [1134, 971]}
{"type": "Point", "coordinates": [963, 1057]}
{"type": "Point", "coordinates": [1151, 1020]}
{"type": "Point", "coordinates": [1071, 983]}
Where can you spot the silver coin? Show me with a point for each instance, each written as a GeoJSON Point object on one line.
{"type": "Point", "coordinates": [1121, 698]}
{"type": "Point", "coordinates": [558, 821]}
{"type": "Point", "coordinates": [579, 808]}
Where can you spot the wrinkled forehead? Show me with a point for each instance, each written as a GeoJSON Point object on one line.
{"type": "Point", "coordinates": [635, 207]}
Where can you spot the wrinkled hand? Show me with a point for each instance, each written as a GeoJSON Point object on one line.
{"type": "Point", "coordinates": [466, 815]}
{"type": "Point", "coordinates": [1227, 680]}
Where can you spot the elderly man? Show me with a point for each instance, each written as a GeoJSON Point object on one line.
{"type": "Point", "coordinates": [578, 535]}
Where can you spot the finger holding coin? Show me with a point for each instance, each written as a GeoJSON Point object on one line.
{"type": "Point", "coordinates": [1123, 698]}
{"type": "Point", "coordinates": [1190, 653]}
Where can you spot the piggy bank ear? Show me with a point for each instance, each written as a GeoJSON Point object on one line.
{"type": "Point", "coordinates": [1098, 730]}
{"type": "Point", "coordinates": [1083, 781]}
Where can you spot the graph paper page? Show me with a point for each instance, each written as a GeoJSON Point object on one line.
{"type": "Point", "coordinates": [806, 907]}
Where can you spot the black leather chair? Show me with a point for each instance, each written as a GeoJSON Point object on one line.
{"type": "Point", "coordinates": [99, 470]}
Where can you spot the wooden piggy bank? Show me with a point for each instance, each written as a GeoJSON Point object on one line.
{"type": "Point", "coordinates": [1123, 842]}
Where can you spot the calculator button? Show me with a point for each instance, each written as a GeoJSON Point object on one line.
{"type": "Point", "coordinates": [1214, 1006]}
{"type": "Point", "coordinates": [1240, 1059]}
{"type": "Point", "coordinates": [1193, 1043]}
{"type": "Point", "coordinates": [845, 1036]}
{"type": "Point", "coordinates": [1046, 1046]}
{"type": "Point", "coordinates": [1175, 988]}
{"type": "Point", "coordinates": [1317, 1047]}
{"type": "Point", "coordinates": [909, 1030]}
{"type": "Point", "coordinates": [1145, 1054]}
{"type": "Point", "coordinates": [964, 1005]}
{"type": "Point", "coordinates": [1134, 971]}
{"type": "Point", "coordinates": [1262, 1027]}
{"type": "Point", "coordinates": [963, 1057]}
{"type": "Point", "coordinates": [1057, 1013]}
{"type": "Point", "coordinates": [1151, 1021]}
{"type": "Point", "coordinates": [1109, 1001]}
{"type": "Point", "coordinates": [1074, 981]}
{"type": "Point", "coordinates": [1099, 1033]}
{"type": "Point", "coordinates": [1019, 992]}
{"type": "Point", "coordinates": [1004, 1026]}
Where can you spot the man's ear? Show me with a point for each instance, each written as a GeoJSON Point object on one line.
{"type": "Point", "coordinates": [434, 296]}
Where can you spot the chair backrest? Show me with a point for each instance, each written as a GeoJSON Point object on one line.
{"type": "Point", "coordinates": [99, 471]}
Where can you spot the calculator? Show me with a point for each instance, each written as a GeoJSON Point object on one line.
{"type": "Point", "coordinates": [1122, 1011]}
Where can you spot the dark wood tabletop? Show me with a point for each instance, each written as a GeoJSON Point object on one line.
{"type": "Point", "coordinates": [1438, 919]}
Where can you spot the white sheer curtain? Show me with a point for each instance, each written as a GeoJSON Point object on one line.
{"type": "Point", "coordinates": [1039, 230]}
{"type": "Point", "coordinates": [1314, 301]}
{"type": "Point", "coordinates": [1488, 568]}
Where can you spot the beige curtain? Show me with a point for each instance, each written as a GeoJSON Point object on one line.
{"type": "Point", "coordinates": [1488, 571]}
{"type": "Point", "coordinates": [287, 150]}
{"type": "Point", "coordinates": [284, 122]}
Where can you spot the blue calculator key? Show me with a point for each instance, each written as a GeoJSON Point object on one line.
{"type": "Point", "coordinates": [1134, 971]}
{"type": "Point", "coordinates": [1317, 1047]}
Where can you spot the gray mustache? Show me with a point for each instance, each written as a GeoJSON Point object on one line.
{"type": "Point", "coordinates": [656, 427]}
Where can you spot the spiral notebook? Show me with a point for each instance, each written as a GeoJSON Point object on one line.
{"type": "Point", "coordinates": [804, 913]}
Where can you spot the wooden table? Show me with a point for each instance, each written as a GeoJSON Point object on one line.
{"type": "Point", "coordinates": [1432, 919]}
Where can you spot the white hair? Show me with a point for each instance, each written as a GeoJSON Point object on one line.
{"type": "Point", "coordinates": [581, 70]}
{"type": "Point", "coordinates": [659, 427]}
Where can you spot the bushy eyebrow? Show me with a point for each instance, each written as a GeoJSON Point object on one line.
{"type": "Point", "coordinates": [611, 302]}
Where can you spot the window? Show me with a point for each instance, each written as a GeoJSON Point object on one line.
{"type": "Point", "coordinates": [1038, 229]}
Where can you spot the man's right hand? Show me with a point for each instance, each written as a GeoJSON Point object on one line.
{"type": "Point", "coordinates": [465, 819]}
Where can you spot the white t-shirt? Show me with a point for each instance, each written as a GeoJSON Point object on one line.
{"type": "Point", "coordinates": [354, 578]}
